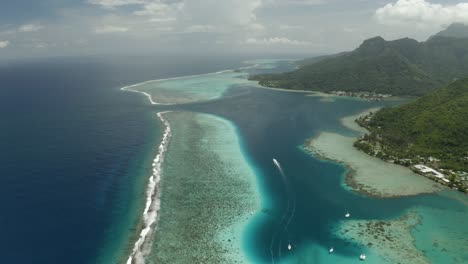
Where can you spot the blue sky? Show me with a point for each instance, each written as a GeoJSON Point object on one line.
{"type": "Point", "coordinates": [30, 28]}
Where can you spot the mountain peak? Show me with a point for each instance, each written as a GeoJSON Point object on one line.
{"type": "Point", "coordinates": [373, 40]}
{"type": "Point", "coordinates": [373, 45]}
{"type": "Point", "coordinates": [455, 30]}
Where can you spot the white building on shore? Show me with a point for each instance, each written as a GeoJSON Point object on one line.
{"type": "Point", "coordinates": [429, 170]}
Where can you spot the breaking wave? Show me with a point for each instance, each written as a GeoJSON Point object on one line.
{"type": "Point", "coordinates": [142, 246]}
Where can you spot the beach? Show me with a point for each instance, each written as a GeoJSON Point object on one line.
{"type": "Point", "coordinates": [367, 175]}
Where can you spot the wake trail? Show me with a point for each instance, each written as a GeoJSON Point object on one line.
{"type": "Point", "coordinates": [289, 213]}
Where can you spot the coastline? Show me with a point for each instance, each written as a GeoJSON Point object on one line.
{"type": "Point", "coordinates": [151, 212]}
{"type": "Point", "coordinates": [311, 93]}
{"type": "Point", "coordinates": [142, 243]}
{"type": "Point", "coordinates": [128, 88]}
{"type": "Point", "coordinates": [180, 96]}
{"type": "Point", "coordinates": [367, 175]}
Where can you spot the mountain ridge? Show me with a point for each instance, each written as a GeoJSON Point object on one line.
{"type": "Point", "coordinates": [398, 67]}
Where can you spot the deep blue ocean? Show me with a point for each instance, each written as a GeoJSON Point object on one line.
{"type": "Point", "coordinates": [75, 153]}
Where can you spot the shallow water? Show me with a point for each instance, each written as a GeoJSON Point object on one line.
{"type": "Point", "coordinates": [204, 87]}
{"type": "Point", "coordinates": [369, 175]}
{"type": "Point", "coordinates": [208, 193]}
{"type": "Point", "coordinates": [302, 209]}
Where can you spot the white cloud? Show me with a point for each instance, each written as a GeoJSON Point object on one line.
{"type": "Point", "coordinates": [256, 27]}
{"type": "Point", "coordinates": [4, 43]}
{"type": "Point", "coordinates": [151, 9]}
{"type": "Point", "coordinates": [162, 20]}
{"type": "Point", "coordinates": [200, 29]}
{"type": "Point", "coordinates": [115, 3]}
{"type": "Point", "coordinates": [30, 28]}
{"type": "Point", "coordinates": [422, 13]}
{"type": "Point", "coordinates": [225, 12]}
{"type": "Point", "coordinates": [289, 27]}
{"type": "Point", "coordinates": [349, 29]}
{"type": "Point", "coordinates": [41, 45]}
{"type": "Point", "coordinates": [157, 11]}
{"type": "Point", "coordinates": [306, 2]}
{"type": "Point", "coordinates": [110, 29]}
{"type": "Point", "coordinates": [299, 2]}
{"type": "Point", "coordinates": [275, 41]}
{"type": "Point", "coordinates": [192, 15]}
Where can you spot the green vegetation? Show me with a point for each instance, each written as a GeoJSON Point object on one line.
{"type": "Point", "coordinates": [456, 30]}
{"type": "Point", "coordinates": [399, 67]}
{"type": "Point", "coordinates": [312, 60]}
{"type": "Point", "coordinates": [432, 130]}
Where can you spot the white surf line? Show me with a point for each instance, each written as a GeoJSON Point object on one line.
{"type": "Point", "coordinates": [142, 246]}
{"type": "Point", "coordinates": [129, 87]}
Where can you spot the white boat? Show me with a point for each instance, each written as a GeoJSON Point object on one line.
{"type": "Point", "coordinates": [289, 247]}
{"type": "Point", "coordinates": [362, 257]}
{"type": "Point", "coordinates": [347, 215]}
{"type": "Point", "coordinates": [331, 250]}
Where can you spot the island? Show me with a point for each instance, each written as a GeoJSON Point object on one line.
{"type": "Point", "coordinates": [428, 135]}
{"type": "Point", "coordinates": [403, 67]}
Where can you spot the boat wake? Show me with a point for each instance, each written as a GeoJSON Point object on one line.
{"type": "Point", "coordinates": [287, 216]}
{"type": "Point", "coordinates": [142, 246]}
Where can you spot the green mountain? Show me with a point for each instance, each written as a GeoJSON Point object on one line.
{"type": "Point", "coordinates": [399, 67]}
{"type": "Point", "coordinates": [435, 125]}
{"type": "Point", "coordinates": [312, 60]}
{"type": "Point", "coordinates": [457, 30]}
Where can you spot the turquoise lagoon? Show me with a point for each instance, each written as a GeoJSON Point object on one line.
{"type": "Point", "coordinates": [304, 207]}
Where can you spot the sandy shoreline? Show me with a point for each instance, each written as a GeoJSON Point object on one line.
{"type": "Point", "coordinates": [141, 247]}
{"type": "Point", "coordinates": [367, 175]}
{"type": "Point", "coordinates": [180, 91]}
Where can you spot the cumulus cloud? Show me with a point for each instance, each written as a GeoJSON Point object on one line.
{"type": "Point", "coordinates": [227, 12]}
{"type": "Point", "coordinates": [188, 15]}
{"type": "Point", "coordinates": [275, 41]}
{"type": "Point", "coordinates": [4, 43]}
{"type": "Point", "coordinates": [422, 13]}
{"type": "Point", "coordinates": [110, 29]}
{"type": "Point", "coordinates": [30, 28]}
